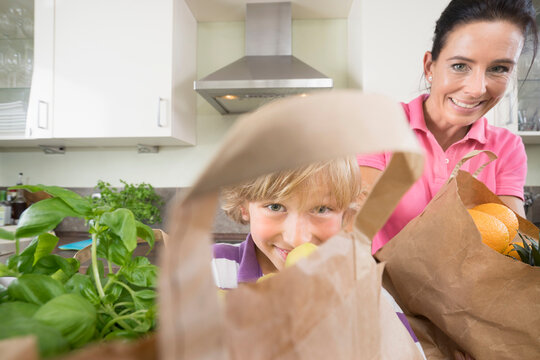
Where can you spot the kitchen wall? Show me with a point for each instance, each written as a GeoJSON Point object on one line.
{"type": "Point", "coordinates": [320, 43]}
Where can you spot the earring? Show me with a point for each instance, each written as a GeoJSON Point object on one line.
{"type": "Point", "coordinates": [430, 78]}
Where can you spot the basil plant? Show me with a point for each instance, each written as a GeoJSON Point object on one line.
{"type": "Point", "coordinates": [51, 299]}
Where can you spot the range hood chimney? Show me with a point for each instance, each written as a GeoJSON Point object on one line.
{"type": "Point", "coordinates": [268, 70]}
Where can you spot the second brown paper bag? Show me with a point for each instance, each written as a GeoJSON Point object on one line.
{"type": "Point", "coordinates": [460, 293]}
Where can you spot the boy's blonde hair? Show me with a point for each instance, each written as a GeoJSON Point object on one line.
{"type": "Point", "coordinates": [342, 176]}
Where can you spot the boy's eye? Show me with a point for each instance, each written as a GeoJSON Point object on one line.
{"type": "Point", "coordinates": [322, 209]}
{"type": "Point", "coordinates": [275, 207]}
{"type": "Point", "coordinates": [459, 67]}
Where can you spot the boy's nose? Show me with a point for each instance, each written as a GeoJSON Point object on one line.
{"type": "Point", "coordinates": [296, 231]}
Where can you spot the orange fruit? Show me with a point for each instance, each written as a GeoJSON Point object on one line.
{"type": "Point", "coordinates": [494, 232]}
{"type": "Point", "coordinates": [504, 214]}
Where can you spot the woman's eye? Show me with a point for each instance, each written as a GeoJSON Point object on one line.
{"type": "Point", "coordinates": [500, 69]}
{"type": "Point", "coordinates": [459, 67]}
{"type": "Point", "coordinates": [275, 207]}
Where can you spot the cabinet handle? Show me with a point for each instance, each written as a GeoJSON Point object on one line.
{"type": "Point", "coordinates": [43, 113]}
{"type": "Point", "coordinates": [162, 102]}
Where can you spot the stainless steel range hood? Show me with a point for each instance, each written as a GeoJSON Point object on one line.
{"type": "Point", "coordinates": [268, 71]}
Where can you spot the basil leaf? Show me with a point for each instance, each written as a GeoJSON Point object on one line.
{"type": "Point", "coordinates": [6, 271]}
{"type": "Point", "coordinates": [118, 253]}
{"type": "Point", "coordinates": [113, 294]}
{"type": "Point", "coordinates": [42, 217]}
{"type": "Point", "coordinates": [50, 264]}
{"type": "Point", "coordinates": [17, 310]}
{"type": "Point", "coordinates": [79, 204]}
{"type": "Point", "coordinates": [45, 245]}
{"type": "Point", "coordinates": [140, 272]}
{"type": "Point", "coordinates": [23, 262]}
{"type": "Point", "coordinates": [122, 223]}
{"type": "Point", "coordinates": [35, 288]}
{"type": "Point", "coordinates": [81, 284]}
{"type": "Point", "coordinates": [146, 233]}
{"type": "Point", "coordinates": [72, 315]}
{"type": "Point", "coordinates": [144, 299]}
{"type": "Point", "coordinates": [50, 341]}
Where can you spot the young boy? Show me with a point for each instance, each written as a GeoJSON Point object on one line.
{"type": "Point", "coordinates": [284, 210]}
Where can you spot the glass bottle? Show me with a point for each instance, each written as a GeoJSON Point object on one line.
{"type": "Point", "coordinates": [5, 209]}
{"type": "Point", "coordinates": [18, 205]}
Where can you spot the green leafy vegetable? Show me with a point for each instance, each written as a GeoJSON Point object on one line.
{"type": "Point", "coordinates": [72, 315]}
{"type": "Point", "coordinates": [65, 309]}
{"type": "Point", "coordinates": [141, 199]}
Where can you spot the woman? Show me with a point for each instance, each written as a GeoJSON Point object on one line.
{"type": "Point", "coordinates": [475, 51]}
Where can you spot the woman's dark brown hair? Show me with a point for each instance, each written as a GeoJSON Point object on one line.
{"type": "Point", "coordinates": [459, 12]}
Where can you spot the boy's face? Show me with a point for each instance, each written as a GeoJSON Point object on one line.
{"type": "Point", "coordinates": [277, 227]}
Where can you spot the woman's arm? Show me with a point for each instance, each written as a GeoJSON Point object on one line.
{"type": "Point", "coordinates": [514, 203]}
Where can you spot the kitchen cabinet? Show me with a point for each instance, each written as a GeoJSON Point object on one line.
{"type": "Point", "coordinates": [16, 65]}
{"type": "Point", "coordinates": [113, 73]}
{"type": "Point", "coordinates": [519, 111]}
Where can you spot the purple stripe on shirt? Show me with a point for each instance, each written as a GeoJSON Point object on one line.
{"type": "Point", "coordinates": [249, 269]}
{"type": "Point", "coordinates": [405, 322]}
{"type": "Point", "coordinates": [227, 251]}
{"type": "Point", "coordinates": [246, 257]}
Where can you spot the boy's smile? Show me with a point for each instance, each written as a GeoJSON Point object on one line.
{"type": "Point", "coordinates": [278, 226]}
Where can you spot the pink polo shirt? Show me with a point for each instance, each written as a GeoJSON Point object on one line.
{"type": "Point", "coordinates": [504, 176]}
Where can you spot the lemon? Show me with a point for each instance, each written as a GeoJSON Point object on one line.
{"type": "Point", "coordinates": [264, 277]}
{"type": "Point", "coordinates": [299, 252]}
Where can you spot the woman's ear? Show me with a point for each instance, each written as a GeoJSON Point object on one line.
{"type": "Point", "coordinates": [428, 62]}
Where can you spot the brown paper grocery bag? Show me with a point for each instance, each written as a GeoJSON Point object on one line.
{"type": "Point", "coordinates": [459, 292]}
{"type": "Point", "coordinates": [327, 307]}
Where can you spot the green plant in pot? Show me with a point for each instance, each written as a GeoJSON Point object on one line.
{"type": "Point", "coordinates": [63, 308]}
{"type": "Point", "coordinates": [141, 199]}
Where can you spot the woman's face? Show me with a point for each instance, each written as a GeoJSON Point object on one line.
{"type": "Point", "coordinates": [472, 72]}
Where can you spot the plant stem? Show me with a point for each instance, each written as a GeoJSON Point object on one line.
{"type": "Point", "coordinates": [119, 318]}
{"type": "Point", "coordinates": [109, 265]}
{"type": "Point", "coordinates": [95, 266]}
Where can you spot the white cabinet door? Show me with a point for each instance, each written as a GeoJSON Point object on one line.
{"type": "Point", "coordinates": [114, 70]}
{"type": "Point", "coordinates": [40, 104]}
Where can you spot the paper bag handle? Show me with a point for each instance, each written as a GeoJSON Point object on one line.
{"type": "Point", "coordinates": [469, 156]}
{"type": "Point", "coordinates": [402, 171]}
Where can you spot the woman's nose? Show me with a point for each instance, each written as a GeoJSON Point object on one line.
{"type": "Point", "coordinates": [476, 84]}
{"type": "Point", "coordinates": [296, 231]}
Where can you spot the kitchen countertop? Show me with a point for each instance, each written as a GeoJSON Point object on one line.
{"type": "Point", "coordinates": [66, 237]}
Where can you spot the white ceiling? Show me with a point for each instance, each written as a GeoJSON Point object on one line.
{"type": "Point", "coordinates": [235, 10]}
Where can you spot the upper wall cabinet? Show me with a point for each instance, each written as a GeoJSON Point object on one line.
{"type": "Point", "coordinates": [113, 73]}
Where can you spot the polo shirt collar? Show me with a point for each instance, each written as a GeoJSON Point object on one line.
{"type": "Point", "coordinates": [417, 122]}
{"type": "Point", "coordinates": [249, 269]}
